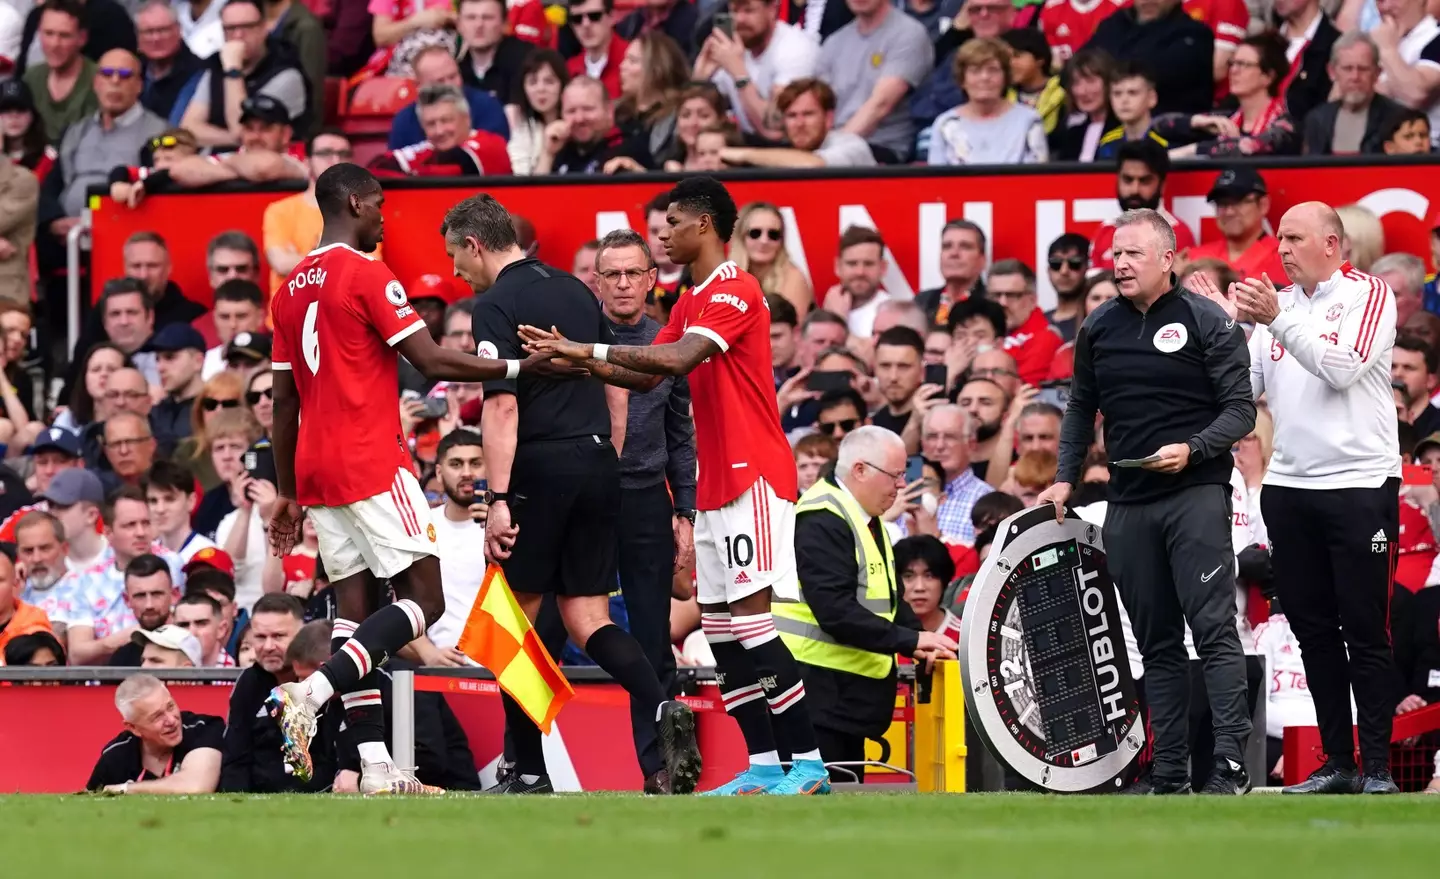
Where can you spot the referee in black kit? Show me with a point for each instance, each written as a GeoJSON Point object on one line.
{"type": "Point", "coordinates": [1170, 373]}
{"type": "Point", "coordinates": [554, 480]}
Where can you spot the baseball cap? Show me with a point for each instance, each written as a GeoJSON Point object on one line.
{"type": "Point", "coordinates": [172, 638]}
{"type": "Point", "coordinates": [73, 485]}
{"type": "Point", "coordinates": [251, 346]}
{"type": "Point", "coordinates": [1431, 440]}
{"type": "Point", "coordinates": [1237, 183]}
{"type": "Point", "coordinates": [210, 557]}
{"type": "Point", "coordinates": [431, 285]}
{"type": "Point", "coordinates": [266, 108]}
{"type": "Point", "coordinates": [57, 438]}
{"type": "Point", "coordinates": [15, 95]}
{"type": "Point", "coordinates": [176, 337]}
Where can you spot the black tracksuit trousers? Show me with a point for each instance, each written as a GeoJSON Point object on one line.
{"type": "Point", "coordinates": [1173, 563]}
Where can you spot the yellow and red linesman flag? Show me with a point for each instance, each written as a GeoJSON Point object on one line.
{"type": "Point", "coordinates": [498, 636]}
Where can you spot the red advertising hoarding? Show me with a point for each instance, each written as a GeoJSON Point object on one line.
{"type": "Point", "coordinates": [1023, 210]}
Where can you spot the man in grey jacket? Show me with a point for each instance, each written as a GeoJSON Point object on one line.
{"type": "Point", "coordinates": [657, 477]}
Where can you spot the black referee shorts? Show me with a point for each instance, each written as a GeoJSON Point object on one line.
{"type": "Point", "coordinates": [565, 496]}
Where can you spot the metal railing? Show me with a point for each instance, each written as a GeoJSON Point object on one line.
{"type": "Point", "coordinates": [73, 286]}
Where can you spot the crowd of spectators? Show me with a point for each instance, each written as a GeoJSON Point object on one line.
{"type": "Point", "coordinates": [137, 489]}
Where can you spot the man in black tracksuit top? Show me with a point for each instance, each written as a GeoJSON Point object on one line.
{"type": "Point", "coordinates": [1170, 374]}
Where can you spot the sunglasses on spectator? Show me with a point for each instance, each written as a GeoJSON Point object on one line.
{"type": "Point", "coordinates": [210, 404]}
{"type": "Point", "coordinates": [845, 424]}
{"type": "Point", "coordinates": [254, 397]}
{"type": "Point", "coordinates": [592, 17]}
{"type": "Point", "coordinates": [121, 73]}
{"type": "Point", "coordinates": [772, 234]}
{"type": "Point", "coordinates": [165, 142]}
{"type": "Point", "coordinates": [1076, 263]}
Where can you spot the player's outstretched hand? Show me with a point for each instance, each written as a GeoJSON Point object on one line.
{"type": "Point", "coordinates": [542, 363]}
{"type": "Point", "coordinates": [284, 526]}
{"type": "Point", "coordinates": [530, 334]}
{"type": "Point", "coordinates": [553, 343]}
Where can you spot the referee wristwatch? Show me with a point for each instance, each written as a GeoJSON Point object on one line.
{"type": "Point", "coordinates": [1194, 452]}
{"type": "Point", "coordinates": [490, 497]}
{"type": "Point", "coordinates": [686, 514]}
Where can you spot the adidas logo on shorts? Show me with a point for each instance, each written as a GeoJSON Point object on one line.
{"type": "Point", "coordinates": [1378, 541]}
{"type": "Point", "coordinates": [741, 579]}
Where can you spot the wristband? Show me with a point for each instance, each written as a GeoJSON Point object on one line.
{"type": "Point", "coordinates": [600, 352]}
{"type": "Point", "coordinates": [512, 368]}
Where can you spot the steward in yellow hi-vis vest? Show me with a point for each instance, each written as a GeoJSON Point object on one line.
{"type": "Point", "coordinates": [850, 621]}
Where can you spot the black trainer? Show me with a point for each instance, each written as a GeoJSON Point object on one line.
{"type": "Point", "coordinates": [1149, 786]}
{"type": "Point", "coordinates": [1328, 779]}
{"type": "Point", "coordinates": [678, 746]}
{"type": "Point", "coordinates": [1228, 778]}
{"type": "Point", "coordinates": [657, 783]}
{"type": "Point", "coordinates": [516, 784]}
{"type": "Point", "coordinates": [1378, 781]}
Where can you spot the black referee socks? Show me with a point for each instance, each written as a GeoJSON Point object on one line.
{"type": "Point", "coordinates": [614, 650]}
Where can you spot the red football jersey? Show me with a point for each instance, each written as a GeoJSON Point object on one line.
{"type": "Point", "coordinates": [1228, 20]}
{"type": "Point", "coordinates": [337, 319]}
{"type": "Point", "coordinates": [737, 426]}
{"type": "Point", "coordinates": [1069, 24]}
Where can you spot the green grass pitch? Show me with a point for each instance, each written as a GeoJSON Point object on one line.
{"type": "Point", "coordinates": [604, 835]}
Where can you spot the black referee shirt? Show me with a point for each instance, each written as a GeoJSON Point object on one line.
{"type": "Point", "coordinates": [530, 292]}
{"type": "Point", "coordinates": [1177, 373]}
{"type": "Point", "coordinates": [120, 760]}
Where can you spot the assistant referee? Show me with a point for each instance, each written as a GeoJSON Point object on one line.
{"type": "Point", "coordinates": [1321, 355]}
{"type": "Point", "coordinates": [554, 479]}
{"type": "Point", "coordinates": [1169, 371]}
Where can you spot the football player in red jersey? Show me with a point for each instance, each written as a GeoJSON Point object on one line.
{"type": "Point", "coordinates": [339, 321]}
{"type": "Point", "coordinates": [719, 335]}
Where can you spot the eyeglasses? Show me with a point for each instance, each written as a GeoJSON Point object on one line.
{"type": "Point", "coordinates": [898, 477]}
{"type": "Point", "coordinates": [121, 445]}
{"type": "Point", "coordinates": [332, 154]}
{"type": "Point", "coordinates": [1242, 64]}
{"type": "Point", "coordinates": [592, 17]}
{"type": "Point", "coordinates": [254, 397]}
{"type": "Point", "coordinates": [120, 73]}
{"type": "Point", "coordinates": [1076, 263]}
{"type": "Point", "coordinates": [210, 404]}
{"type": "Point", "coordinates": [772, 234]}
{"type": "Point", "coordinates": [845, 424]}
{"type": "Point", "coordinates": [634, 276]}
{"type": "Point", "coordinates": [240, 27]}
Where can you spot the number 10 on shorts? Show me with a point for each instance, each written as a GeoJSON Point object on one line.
{"type": "Point", "coordinates": [739, 551]}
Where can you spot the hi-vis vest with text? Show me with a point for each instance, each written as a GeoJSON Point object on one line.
{"type": "Point", "coordinates": [874, 589]}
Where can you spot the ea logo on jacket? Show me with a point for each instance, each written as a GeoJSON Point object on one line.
{"type": "Point", "coordinates": [1171, 338]}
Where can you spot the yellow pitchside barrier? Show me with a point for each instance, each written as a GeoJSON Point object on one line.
{"type": "Point", "coordinates": [940, 749]}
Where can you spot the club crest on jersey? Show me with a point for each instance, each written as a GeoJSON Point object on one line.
{"type": "Point", "coordinates": [395, 294]}
{"type": "Point", "coordinates": [1335, 311]}
{"type": "Point", "coordinates": [1171, 338]}
{"type": "Point", "coordinates": [487, 350]}
{"type": "Point", "coordinates": [430, 532]}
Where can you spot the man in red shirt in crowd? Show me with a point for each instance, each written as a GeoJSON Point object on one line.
{"type": "Point", "coordinates": [1030, 338]}
{"type": "Point", "coordinates": [1140, 183]}
{"type": "Point", "coordinates": [1241, 204]}
{"type": "Point", "coordinates": [452, 148]}
{"type": "Point", "coordinates": [1069, 24]}
{"type": "Point", "coordinates": [593, 22]}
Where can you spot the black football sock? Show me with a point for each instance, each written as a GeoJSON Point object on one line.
{"type": "Point", "coordinates": [740, 689]}
{"type": "Point", "coordinates": [614, 650]}
{"type": "Point", "coordinates": [524, 738]}
{"type": "Point", "coordinates": [377, 639]}
{"type": "Point", "coordinates": [780, 677]}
